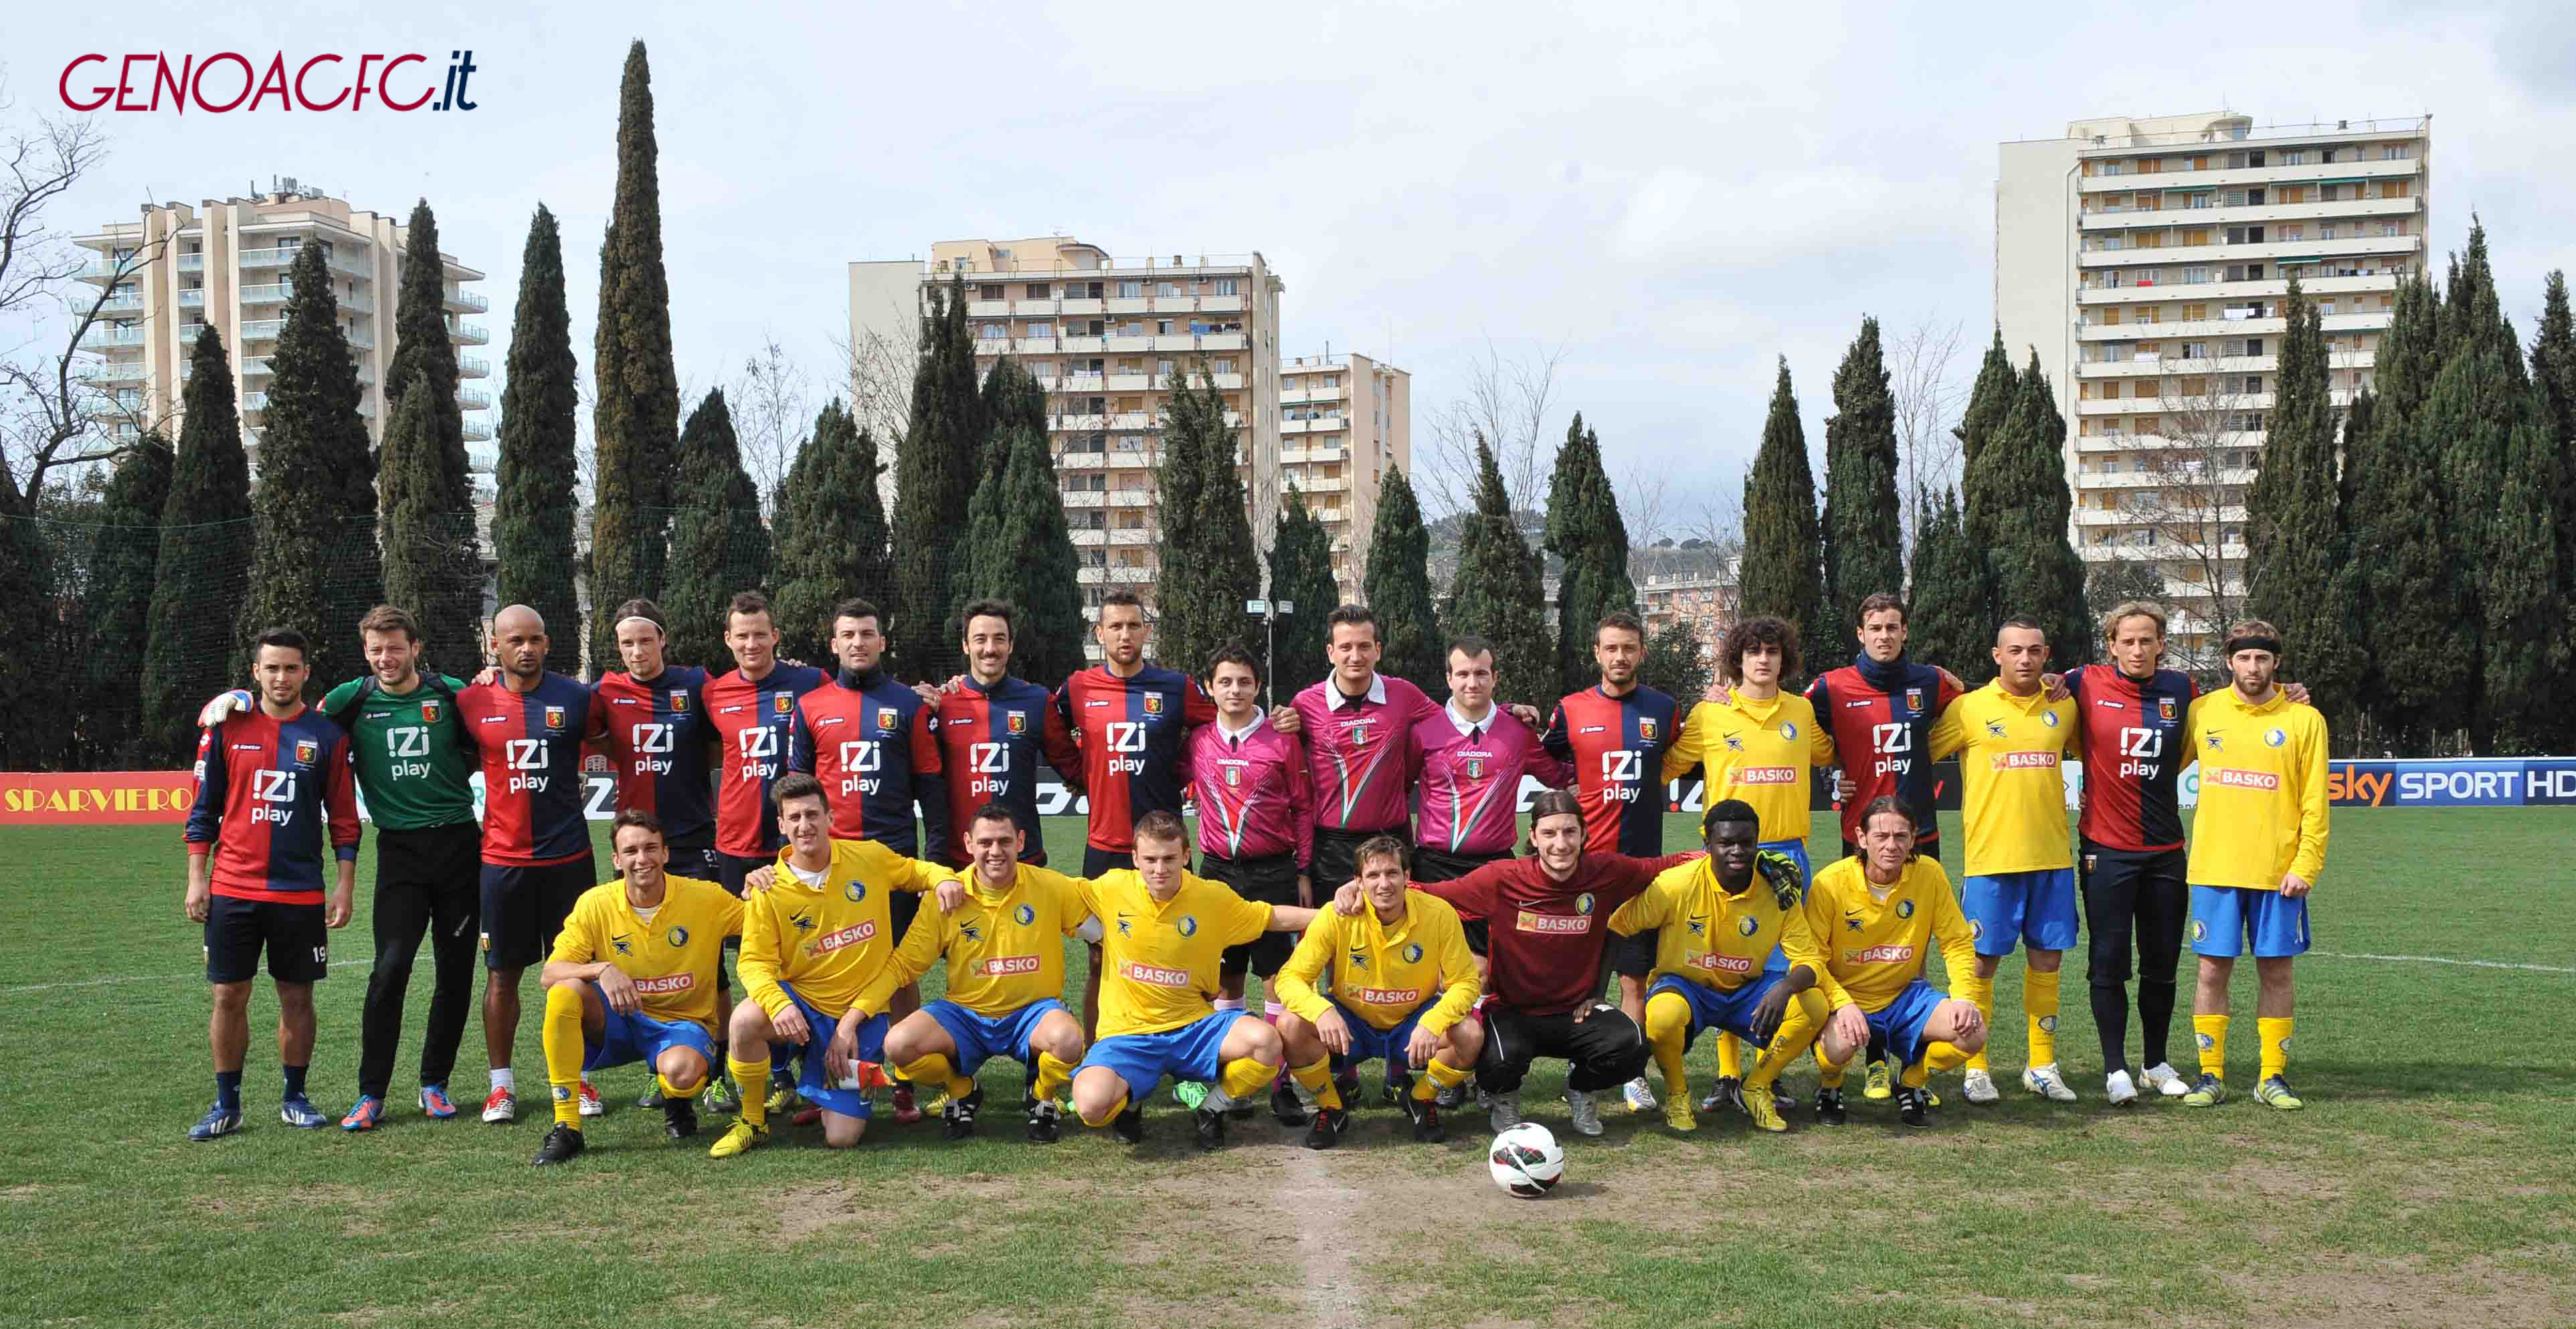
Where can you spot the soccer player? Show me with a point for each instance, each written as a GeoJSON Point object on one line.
{"type": "Point", "coordinates": [1356, 725]}
{"type": "Point", "coordinates": [1876, 917]}
{"type": "Point", "coordinates": [413, 767]}
{"type": "Point", "coordinates": [660, 740]}
{"type": "Point", "coordinates": [529, 727]}
{"type": "Point", "coordinates": [266, 782]}
{"type": "Point", "coordinates": [1005, 953]}
{"type": "Point", "coordinates": [1403, 985]}
{"type": "Point", "coordinates": [1757, 744]}
{"type": "Point", "coordinates": [633, 978]}
{"type": "Point", "coordinates": [1615, 734]}
{"type": "Point", "coordinates": [1717, 928]}
{"type": "Point", "coordinates": [991, 729]}
{"type": "Point", "coordinates": [1167, 933]}
{"type": "Point", "coordinates": [753, 709]}
{"type": "Point", "coordinates": [815, 950]}
{"type": "Point", "coordinates": [2021, 869]}
{"type": "Point", "coordinates": [1256, 828]}
{"type": "Point", "coordinates": [1547, 916]}
{"type": "Point", "coordinates": [2258, 842]}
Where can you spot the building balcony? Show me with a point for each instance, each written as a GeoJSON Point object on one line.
{"type": "Point", "coordinates": [2128, 442]}
{"type": "Point", "coordinates": [1313, 452]}
{"type": "Point", "coordinates": [477, 432]}
{"type": "Point", "coordinates": [1124, 304]}
{"type": "Point", "coordinates": [1299, 396]}
{"type": "Point", "coordinates": [1128, 344]}
{"type": "Point", "coordinates": [2306, 173]}
{"type": "Point", "coordinates": [124, 371]}
{"type": "Point", "coordinates": [113, 334]}
{"type": "Point", "coordinates": [2131, 216]}
{"type": "Point", "coordinates": [1132, 383]}
{"type": "Point", "coordinates": [988, 309]}
{"type": "Point", "coordinates": [1070, 306]}
{"type": "Point", "coordinates": [1077, 422]}
{"type": "Point", "coordinates": [195, 299]}
{"type": "Point", "coordinates": [2153, 366]}
{"type": "Point", "coordinates": [1131, 498]}
{"type": "Point", "coordinates": [1040, 308]}
{"type": "Point", "coordinates": [473, 399]}
{"type": "Point", "coordinates": [1077, 383]}
{"type": "Point", "coordinates": [2195, 292]}
{"type": "Point", "coordinates": [468, 334]}
{"type": "Point", "coordinates": [2184, 473]}
{"type": "Point", "coordinates": [1221, 304]}
{"type": "Point", "coordinates": [1133, 420]}
{"type": "Point", "coordinates": [1123, 458]}
{"type": "Point", "coordinates": [1113, 576]}
{"type": "Point", "coordinates": [1324, 425]}
{"type": "Point", "coordinates": [1076, 345]}
{"type": "Point", "coordinates": [2216, 254]}
{"type": "Point", "coordinates": [1228, 382]}
{"type": "Point", "coordinates": [470, 366]}
{"type": "Point", "coordinates": [129, 303]}
{"type": "Point", "coordinates": [465, 302]}
{"type": "Point", "coordinates": [1334, 485]}
{"type": "Point", "coordinates": [1223, 341]}
{"type": "Point", "coordinates": [274, 293]}
{"type": "Point", "coordinates": [262, 329]}
{"type": "Point", "coordinates": [2226, 327]}
{"type": "Point", "coordinates": [1086, 498]}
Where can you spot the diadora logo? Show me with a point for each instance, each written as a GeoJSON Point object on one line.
{"type": "Point", "coordinates": [227, 81]}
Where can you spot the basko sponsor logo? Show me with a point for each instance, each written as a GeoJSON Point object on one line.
{"type": "Point", "coordinates": [2024, 761]}
{"type": "Point", "coordinates": [1530, 922]}
{"type": "Point", "coordinates": [1881, 955]}
{"type": "Point", "coordinates": [666, 983]}
{"type": "Point", "coordinates": [2232, 778]}
{"type": "Point", "coordinates": [1767, 775]}
{"type": "Point", "coordinates": [1156, 975]}
{"type": "Point", "coordinates": [1389, 996]}
{"type": "Point", "coordinates": [998, 965]}
{"type": "Point", "coordinates": [1724, 964]}
{"type": "Point", "coordinates": [848, 936]}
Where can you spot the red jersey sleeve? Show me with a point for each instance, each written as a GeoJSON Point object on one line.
{"type": "Point", "coordinates": [594, 726]}
{"type": "Point", "coordinates": [1472, 895]}
{"type": "Point", "coordinates": [1195, 706]}
{"type": "Point", "coordinates": [925, 743]}
{"type": "Point", "coordinates": [1301, 805]}
{"type": "Point", "coordinates": [1062, 751]}
{"type": "Point", "coordinates": [340, 800]}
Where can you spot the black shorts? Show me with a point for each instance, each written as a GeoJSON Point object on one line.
{"type": "Point", "coordinates": [697, 860]}
{"type": "Point", "coordinates": [1633, 957]}
{"type": "Point", "coordinates": [1096, 860]}
{"type": "Point", "coordinates": [299, 947]}
{"type": "Point", "coordinates": [1271, 880]}
{"type": "Point", "coordinates": [1336, 858]}
{"type": "Point", "coordinates": [1431, 864]}
{"type": "Point", "coordinates": [903, 906]}
{"type": "Point", "coordinates": [436, 860]}
{"type": "Point", "coordinates": [524, 907]}
{"type": "Point", "coordinates": [732, 868]}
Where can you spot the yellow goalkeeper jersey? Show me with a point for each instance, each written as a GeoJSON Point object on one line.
{"type": "Point", "coordinates": [2262, 791]}
{"type": "Point", "coordinates": [671, 957]}
{"type": "Point", "coordinates": [2013, 794]}
{"type": "Point", "coordinates": [1384, 974]}
{"type": "Point", "coordinates": [830, 940]}
{"type": "Point", "coordinates": [1763, 752]}
{"type": "Point", "coordinates": [1710, 935]}
{"type": "Point", "coordinates": [1874, 947]}
{"type": "Point", "coordinates": [1005, 948]}
{"type": "Point", "coordinates": [1158, 962]}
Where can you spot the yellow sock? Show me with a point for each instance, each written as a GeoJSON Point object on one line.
{"type": "Point", "coordinates": [2039, 1011]}
{"type": "Point", "coordinates": [1053, 1076]}
{"type": "Point", "coordinates": [669, 1090]}
{"type": "Point", "coordinates": [2212, 1032]}
{"type": "Point", "coordinates": [753, 1076]}
{"type": "Point", "coordinates": [2276, 1044]}
{"type": "Point", "coordinates": [1798, 1029]}
{"type": "Point", "coordinates": [1244, 1077]}
{"type": "Point", "coordinates": [1317, 1076]}
{"type": "Point", "coordinates": [1942, 1057]}
{"type": "Point", "coordinates": [1730, 1052]}
{"type": "Point", "coordinates": [936, 1069]}
{"type": "Point", "coordinates": [1667, 1025]}
{"type": "Point", "coordinates": [563, 1044]}
{"type": "Point", "coordinates": [1109, 1116]}
{"type": "Point", "coordinates": [1912, 1077]}
{"type": "Point", "coordinates": [1981, 992]}
{"type": "Point", "coordinates": [1436, 1076]}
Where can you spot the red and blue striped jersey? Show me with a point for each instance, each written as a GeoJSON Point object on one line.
{"type": "Point", "coordinates": [1128, 739]}
{"type": "Point", "coordinates": [1616, 747]}
{"type": "Point", "coordinates": [752, 719]}
{"type": "Point", "coordinates": [657, 737]}
{"type": "Point", "coordinates": [991, 742]}
{"type": "Point", "coordinates": [264, 789]}
{"type": "Point", "coordinates": [2133, 755]}
{"type": "Point", "coordinates": [874, 744]}
{"type": "Point", "coordinates": [1357, 753]}
{"type": "Point", "coordinates": [1471, 791]}
{"type": "Point", "coordinates": [1884, 738]}
{"type": "Point", "coordinates": [532, 786]}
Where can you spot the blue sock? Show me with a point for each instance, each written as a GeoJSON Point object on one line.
{"type": "Point", "coordinates": [781, 1070]}
{"type": "Point", "coordinates": [295, 1082]}
{"type": "Point", "coordinates": [228, 1090]}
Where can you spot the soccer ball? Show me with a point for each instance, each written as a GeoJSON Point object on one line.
{"type": "Point", "coordinates": [1526, 1160]}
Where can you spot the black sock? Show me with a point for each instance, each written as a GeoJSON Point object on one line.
{"type": "Point", "coordinates": [2155, 1020]}
{"type": "Point", "coordinates": [295, 1081]}
{"type": "Point", "coordinates": [2111, 1020]}
{"type": "Point", "coordinates": [228, 1090]}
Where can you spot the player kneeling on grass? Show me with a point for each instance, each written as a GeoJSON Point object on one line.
{"type": "Point", "coordinates": [1716, 922]}
{"type": "Point", "coordinates": [1005, 951]}
{"type": "Point", "coordinates": [1166, 934]}
{"type": "Point", "coordinates": [1876, 916]}
{"type": "Point", "coordinates": [633, 978]}
{"type": "Point", "coordinates": [815, 944]}
{"type": "Point", "coordinates": [1403, 985]}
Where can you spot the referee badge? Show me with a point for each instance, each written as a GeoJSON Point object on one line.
{"type": "Point", "coordinates": [1233, 777]}
{"type": "Point", "coordinates": [1475, 768]}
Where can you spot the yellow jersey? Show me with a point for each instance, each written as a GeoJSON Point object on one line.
{"type": "Point", "coordinates": [831, 940]}
{"type": "Point", "coordinates": [1158, 962]}
{"type": "Point", "coordinates": [671, 957]}
{"type": "Point", "coordinates": [1384, 974]}
{"type": "Point", "coordinates": [1710, 935]}
{"type": "Point", "coordinates": [1763, 752]}
{"type": "Point", "coordinates": [1005, 948]}
{"type": "Point", "coordinates": [2012, 793]}
{"type": "Point", "coordinates": [1874, 947]}
{"type": "Point", "coordinates": [2262, 791]}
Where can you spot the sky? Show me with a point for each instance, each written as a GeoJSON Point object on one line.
{"type": "Point", "coordinates": [1669, 196]}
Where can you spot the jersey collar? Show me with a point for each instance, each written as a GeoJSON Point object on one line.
{"type": "Point", "coordinates": [1376, 693]}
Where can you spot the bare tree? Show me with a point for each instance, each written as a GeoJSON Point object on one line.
{"type": "Point", "coordinates": [2195, 460]}
{"type": "Point", "coordinates": [769, 417]}
{"type": "Point", "coordinates": [1644, 490]}
{"type": "Point", "coordinates": [1928, 400]}
{"type": "Point", "coordinates": [878, 368]}
{"type": "Point", "coordinates": [1507, 404]}
{"type": "Point", "coordinates": [1717, 518]}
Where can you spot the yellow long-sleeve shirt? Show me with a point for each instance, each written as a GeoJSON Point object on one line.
{"type": "Point", "coordinates": [2262, 791]}
{"type": "Point", "coordinates": [1005, 948]}
{"type": "Point", "coordinates": [1763, 752]}
{"type": "Point", "coordinates": [2013, 794]}
{"type": "Point", "coordinates": [671, 957]}
{"type": "Point", "coordinates": [831, 940]}
{"type": "Point", "coordinates": [1383, 974]}
{"type": "Point", "coordinates": [1158, 960]}
{"type": "Point", "coordinates": [1712, 936]}
{"type": "Point", "coordinates": [1874, 947]}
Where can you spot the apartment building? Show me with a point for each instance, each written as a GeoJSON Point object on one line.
{"type": "Point", "coordinates": [1106, 336]}
{"type": "Point", "coordinates": [1344, 422]}
{"type": "Point", "coordinates": [2147, 261]}
{"type": "Point", "coordinates": [226, 263]}
{"type": "Point", "coordinates": [1703, 594]}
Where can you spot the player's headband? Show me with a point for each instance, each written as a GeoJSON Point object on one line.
{"type": "Point", "coordinates": [2272, 644]}
{"type": "Point", "coordinates": [620, 625]}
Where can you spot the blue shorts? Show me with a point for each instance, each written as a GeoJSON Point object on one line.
{"type": "Point", "coordinates": [1712, 1009]}
{"type": "Point", "coordinates": [626, 1039]}
{"type": "Point", "coordinates": [2222, 917]}
{"type": "Point", "coordinates": [1368, 1043]}
{"type": "Point", "coordinates": [2036, 907]}
{"type": "Point", "coordinates": [1186, 1053]}
{"type": "Point", "coordinates": [1901, 1021]}
{"type": "Point", "coordinates": [1778, 963]}
{"type": "Point", "coordinates": [980, 1038]}
{"type": "Point", "coordinates": [817, 1083]}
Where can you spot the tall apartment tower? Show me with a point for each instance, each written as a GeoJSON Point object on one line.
{"type": "Point", "coordinates": [1345, 421]}
{"type": "Point", "coordinates": [1105, 336]}
{"type": "Point", "coordinates": [2146, 261]}
{"type": "Point", "coordinates": [226, 263]}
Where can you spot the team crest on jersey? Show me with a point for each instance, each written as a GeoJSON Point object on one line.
{"type": "Point", "coordinates": [1233, 777]}
{"type": "Point", "coordinates": [2165, 709]}
{"type": "Point", "coordinates": [1583, 903]}
{"type": "Point", "coordinates": [1475, 768]}
{"type": "Point", "coordinates": [855, 889]}
{"type": "Point", "coordinates": [2273, 738]}
{"type": "Point", "coordinates": [1914, 699]}
{"type": "Point", "coordinates": [429, 711]}
{"type": "Point", "coordinates": [1413, 952]}
{"type": "Point", "coordinates": [1747, 925]}
{"type": "Point", "coordinates": [1905, 909]}
{"type": "Point", "coordinates": [679, 699]}
{"type": "Point", "coordinates": [1024, 915]}
{"type": "Point", "coordinates": [1645, 729]}
{"type": "Point", "coordinates": [307, 752]}
{"type": "Point", "coordinates": [1153, 703]}
{"type": "Point", "coordinates": [782, 703]}
{"type": "Point", "coordinates": [1789, 730]}
{"type": "Point", "coordinates": [554, 717]}
{"type": "Point", "coordinates": [679, 936]}
{"type": "Point", "coordinates": [887, 720]}
{"type": "Point", "coordinates": [2048, 718]}
{"type": "Point", "coordinates": [1016, 722]}
{"type": "Point", "coordinates": [1189, 925]}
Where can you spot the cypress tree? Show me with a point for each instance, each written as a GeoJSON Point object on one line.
{"type": "Point", "coordinates": [718, 543]}
{"type": "Point", "coordinates": [1204, 579]}
{"type": "Point", "coordinates": [1782, 554]}
{"type": "Point", "coordinates": [2523, 593]}
{"type": "Point", "coordinates": [1499, 592]}
{"type": "Point", "coordinates": [1301, 573]}
{"type": "Point", "coordinates": [2298, 565]}
{"type": "Point", "coordinates": [1673, 662]}
{"type": "Point", "coordinates": [831, 532]}
{"type": "Point", "coordinates": [2480, 395]}
{"type": "Point", "coordinates": [203, 569]}
{"type": "Point", "coordinates": [2032, 568]}
{"type": "Point", "coordinates": [532, 520]}
{"type": "Point", "coordinates": [2412, 631]}
{"type": "Point", "coordinates": [2553, 372]}
{"type": "Point", "coordinates": [1012, 399]}
{"type": "Point", "coordinates": [122, 568]}
{"type": "Point", "coordinates": [1590, 541]}
{"type": "Point", "coordinates": [1863, 531]}
{"type": "Point", "coordinates": [1046, 643]}
{"type": "Point", "coordinates": [1989, 401]}
{"type": "Point", "coordinates": [315, 565]}
{"type": "Point", "coordinates": [1946, 619]}
{"type": "Point", "coordinates": [1397, 585]}
{"type": "Point", "coordinates": [635, 418]}
{"type": "Point", "coordinates": [29, 697]}
{"type": "Point", "coordinates": [433, 565]}
{"type": "Point", "coordinates": [1012, 404]}
{"type": "Point", "coordinates": [934, 481]}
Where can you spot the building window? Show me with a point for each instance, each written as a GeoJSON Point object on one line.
{"type": "Point", "coordinates": [1168, 290]}
{"type": "Point", "coordinates": [2294, 158]}
{"type": "Point", "coordinates": [1225, 286]}
{"type": "Point", "coordinates": [991, 291]}
{"type": "Point", "coordinates": [1039, 290]}
{"type": "Point", "coordinates": [1041, 329]}
{"type": "Point", "coordinates": [1131, 289]}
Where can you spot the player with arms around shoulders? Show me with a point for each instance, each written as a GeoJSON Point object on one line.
{"type": "Point", "coordinates": [267, 782]}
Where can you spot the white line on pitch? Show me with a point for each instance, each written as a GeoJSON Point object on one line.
{"type": "Point", "coordinates": [2443, 959]}
{"type": "Point", "coordinates": [140, 978]}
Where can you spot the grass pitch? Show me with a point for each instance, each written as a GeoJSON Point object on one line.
{"type": "Point", "coordinates": [2428, 1183]}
